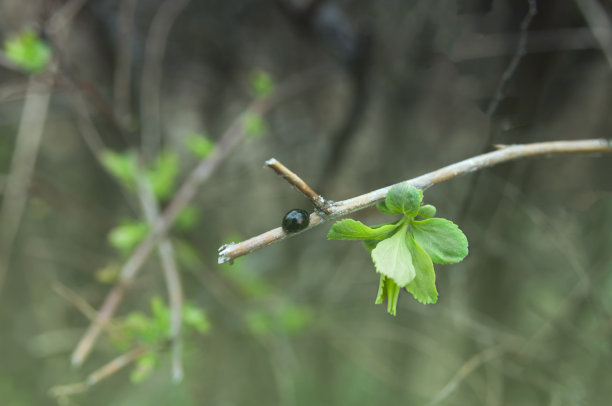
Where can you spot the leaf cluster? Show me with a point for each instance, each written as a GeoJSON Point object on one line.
{"type": "Point", "coordinates": [404, 250]}
{"type": "Point", "coordinates": [154, 332]}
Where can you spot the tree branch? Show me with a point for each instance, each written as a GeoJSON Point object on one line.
{"type": "Point", "coordinates": [507, 153]}
{"type": "Point", "coordinates": [23, 163]}
{"type": "Point", "coordinates": [185, 193]}
{"type": "Point", "coordinates": [317, 200]}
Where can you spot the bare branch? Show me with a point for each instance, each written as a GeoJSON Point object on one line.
{"type": "Point", "coordinates": [186, 192]}
{"type": "Point", "coordinates": [521, 50]}
{"type": "Point", "coordinates": [600, 25]}
{"type": "Point", "coordinates": [292, 178]}
{"type": "Point", "coordinates": [155, 49]}
{"type": "Point", "coordinates": [122, 78]}
{"type": "Point", "coordinates": [232, 251]}
{"type": "Point", "coordinates": [29, 137]}
{"type": "Point", "coordinates": [171, 275]}
{"type": "Point", "coordinates": [100, 374]}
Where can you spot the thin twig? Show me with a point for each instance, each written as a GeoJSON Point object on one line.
{"type": "Point", "coordinates": [155, 48]}
{"type": "Point", "coordinates": [521, 49]}
{"type": "Point", "coordinates": [75, 299]}
{"type": "Point", "coordinates": [122, 80]}
{"type": "Point", "coordinates": [185, 194]}
{"type": "Point", "coordinates": [463, 372]}
{"type": "Point", "coordinates": [165, 250]}
{"type": "Point", "coordinates": [171, 275]}
{"type": "Point", "coordinates": [600, 25]}
{"type": "Point", "coordinates": [100, 374]}
{"type": "Point", "coordinates": [29, 137]}
{"type": "Point", "coordinates": [62, 19]}
{"type": "Point", "coordinates": [295, 180]}
{"type": "Point", "coordinates": [338, 209]}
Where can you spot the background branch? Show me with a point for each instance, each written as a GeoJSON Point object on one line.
{"type": "Point", "coordinates": [29, 137]}
{"type": "Point", "coordinates": [232, 251]}
{"type": "Point", "coordinates": [184, 195]}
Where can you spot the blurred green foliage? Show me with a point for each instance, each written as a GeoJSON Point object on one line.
{"type": "Point", "coordinates": [154, 332]}
{"type": "Point", "coordinates": [199, 145]}
{"type": "Point", "coordinates": [262, 83]}
{"type": "Point", "coordinates": [27, 51]}
{"type": "Point", "coordinates": [254, 125]}
{"type": "Point", "coordinates": [127, 235]}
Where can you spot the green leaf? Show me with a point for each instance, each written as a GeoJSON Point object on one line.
{"type": "Point", "coordinates": [388, 289]}
{"type": "Point", "coordinates": [199, 145]}
{"type": "Point", "coordinates": [349, 229]}
{"type": "Point", "coordinates": [392, 258]}
{"type": "Point", "coordinates": [393, 291]}
{"type": "Point", "coordinates": [382, 207]}
{"type": "Point", "coordinates": [122, 166]}
{"type": "Point", "coordinates": [423, 286]}
{"type": "Point", "coordinates": [427, 211]}
{"type": "Point", "coordinates": [28, 51]}
{"type": "Point", "coordinates": [262, 83]}
{"type": "Point", "coordinates": [441, 239]}
{"type": "Point", "coordinates": [370, 244]}
{"type": "Point", "coordinates": [144, 367]}
{"type": "Point", "coordinates": [382, 292]}
{"type": "Point", "coordinates": [142, 329]}
{"type": "Point", "coordinates": [163, 174]}
{"type": "Point", "coordinates": [196, 318]}
{"type": "Point", "coordinates": [109, 273]}
{"type": "Point", "coordinates": [404, 198]}
{"type": "Point", "coordinates": [126, 236]}
{"type": "Point", "coordinates": [254, 125]}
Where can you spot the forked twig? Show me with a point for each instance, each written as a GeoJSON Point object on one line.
{"type": "Point", "coordinates": [316, 199]}
{"type": "Point", "coordinates": [100, 374]}
{"type": "Point", "coordinates": [184, 195]}
{"type": "Point", "coordinates": [507, 153]}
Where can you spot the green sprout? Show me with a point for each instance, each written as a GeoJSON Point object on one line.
{"type": "Point", "coordinates": [404, 251]}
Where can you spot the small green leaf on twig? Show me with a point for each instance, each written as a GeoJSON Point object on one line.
{"type": "Point", "coordinates": [404, 250]}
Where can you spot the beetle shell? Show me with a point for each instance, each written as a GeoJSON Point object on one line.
{"type": "Point", "coordinates": [296, 220]}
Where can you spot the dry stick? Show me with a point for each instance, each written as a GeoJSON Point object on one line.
{"type": "Point", "coordinates": [338, 209]}
{"type": "Point", "coordinates": [171, 275]}
{"type": "Point", "coordinates": [100, 374]}
{"type": "Point", "coordinates": [15, 196]}
{"type": "Point", "coordinates": [600, 25]}
{"type": "Point", "coordinates": [184, 195]}
{"type": "Point", "coordinates": [316, 199]}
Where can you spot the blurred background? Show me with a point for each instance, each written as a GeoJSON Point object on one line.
{"type": "Point", "coordinates": [97, 95]}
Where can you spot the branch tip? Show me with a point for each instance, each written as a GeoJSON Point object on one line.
{"type": "Point", "coordinates": [317, 200]}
